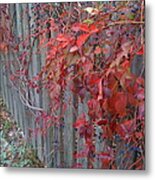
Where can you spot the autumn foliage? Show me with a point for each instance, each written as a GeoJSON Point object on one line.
{"type": "Point", "coordinates": [90, 52]}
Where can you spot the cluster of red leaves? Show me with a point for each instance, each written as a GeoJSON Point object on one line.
{"type": "Point", "coordinates": [5, 35]}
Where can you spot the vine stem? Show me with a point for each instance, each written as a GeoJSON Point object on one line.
{"type": "Point", "coordinates": [125, 22]}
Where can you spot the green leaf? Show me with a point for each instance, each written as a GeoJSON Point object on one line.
{"type": "Point", "coordinates": [131, 16]}
{"type": "Point", "coordinates": [88, 21]}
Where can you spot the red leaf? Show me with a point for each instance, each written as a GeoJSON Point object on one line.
{"type": "Point", "coordinates": [126, 128]}
{"type": "Point", "coordinates": [113, 126]}
{"type": "Point", "coordinates": [132, 100]}
{"type": "Point", "coordinates": [141, 94]}
{"type": "Point", "coordinates": [141, 51]}
{"type": "Point", "coordinates": [81, 154]}
{"type": "Point", "coordinates": [104, 155]}
{"type": "Point", "coordinates": [84, 27]}
{"type": "Point", "coordinates": [93, 29]}
{"type": "Point", "coordinates": [12, 77]}
{"type": "Point", "coordinates": [106, 163]}
{"type": "Point", "coordinates": [97, 50]}
{"type": "Point", "coordinates": [139, 135]}
{"type": "Point", "coordinates": [77, 27]}
{"type": "Point", "coordinates": [62, 38]}
{"type": "Point", "coordinates": [102, 122]}
{"type": "Point", "coordinates": [80, 122]}
{"type": "Point", "coordinates": [92, 104]}
{"type": "Point", "coordinates": [140, 81]}
{"type": "Point", "coordinates": [82, 39]}
{"type": "Point", "coordinates": [93, 79]}
{"type": "Point", "coordinates": [120, 103]}
{"type": "Point", "coordinates": [125, 64]}
{"type": "Point", "coordinates": [77, 165]}
{"type": "Point", "coordinates": [3, 47]}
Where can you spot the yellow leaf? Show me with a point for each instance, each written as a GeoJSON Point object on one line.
{"type": "Point", "coordinates": [91, 10]}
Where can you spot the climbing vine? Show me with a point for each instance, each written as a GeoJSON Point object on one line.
{"type": "Point", "coordinates": [90, 51]}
